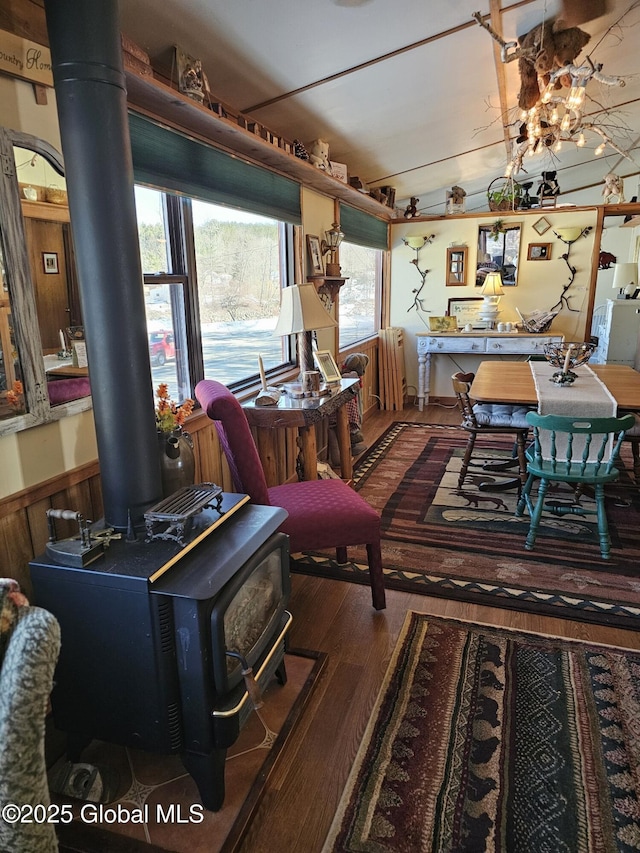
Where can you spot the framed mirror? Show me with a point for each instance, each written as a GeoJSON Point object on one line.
{"type": "Point", "coordinates": [499, 251]}
{"type": "Point", "coordinates": [37, 300]}
{"type": "Point", "coordinates": [456, 266]}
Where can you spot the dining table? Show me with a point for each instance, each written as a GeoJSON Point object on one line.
{"type": "Point", "coordinates": [512, 382]}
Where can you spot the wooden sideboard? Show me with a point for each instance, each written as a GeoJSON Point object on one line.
{"type": "Point", "coordinates": [473, 343]}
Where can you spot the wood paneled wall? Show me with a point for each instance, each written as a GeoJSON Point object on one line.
{"type": "Point", "coordinates": [23, 522]}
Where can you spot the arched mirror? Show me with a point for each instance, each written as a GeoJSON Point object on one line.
{"type": "Point", "coordinates": [39, 377]}
{"type": "Point", "coordinates": [499, 251]}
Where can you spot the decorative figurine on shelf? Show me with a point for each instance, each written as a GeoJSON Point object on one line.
{"type": "Point", "coordinates": [319, 154]}
{"type": "Point", "coordinates": [412, 209]}
{"type": "Point", "coordinates": [299, 150]}
{"type": "Point", "coordinates": [455, 200]}
{"type": "Point", "coordinates": [191, 79]}
{"type": "Point", "coordinates": [613, 186]}
{"type": "Point", "coordinates": [549, 189]}
{"type": "Point", "coordinates": [527, 201]}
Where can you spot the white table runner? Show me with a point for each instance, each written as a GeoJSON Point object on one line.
{"type": "Point", "coordinates": [586, 397]}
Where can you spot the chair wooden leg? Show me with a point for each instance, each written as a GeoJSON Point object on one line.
{"type": "Point", "coordinates": [341, 556]}
{"type": "Point", "coordinates": [524, 498]}
{"type": "Point", "coordinates": [522, 459]}
{"type": "Point", "coordinates": [376, 575]}
{"type": "Point", "coordinates": [635, 450]}
{"type": "Point", "coordinates": [466, 458]}
{"type": "Point", "coordinates": [536, 514]}
{"type": "Point", "coordinates": [603, 527]}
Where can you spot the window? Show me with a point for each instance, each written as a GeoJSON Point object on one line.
{"type": "Point", "coordinates": [240, 259]}
{"type": "Point", "coordinates": [359, 303]}
{"type": "Point", "coordinates": [212, 278]}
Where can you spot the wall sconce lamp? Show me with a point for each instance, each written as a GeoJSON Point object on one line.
{"type": "Point", "coordinates": [625, 280]}
{"type": "Point", "coordinates": [418, 243]}
{"type": "Point", "coordinates": [301, 313]}
{"type": "Point", "coordinates": [330, 246]}
{"type": "Point", "coordinates": [570, 234]}
{"type": "Point", "coordinates": [491, 293]}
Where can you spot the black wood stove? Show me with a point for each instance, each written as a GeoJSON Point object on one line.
{"type": "Point", "coordinates": [157, 637]}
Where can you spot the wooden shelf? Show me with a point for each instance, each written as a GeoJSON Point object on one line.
{"type": "Point", "coordinates": [152, 98]}
{"type": "Point", "coordinates": [45, 210]}
{"type": "Point", "coordinates": [626, 209]}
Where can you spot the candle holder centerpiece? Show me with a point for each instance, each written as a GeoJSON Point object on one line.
{"type": "Point", "coordinates": [567, 356]}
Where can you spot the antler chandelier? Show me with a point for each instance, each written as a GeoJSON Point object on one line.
{"type": "Point", "coordinates": [554, 91]}
{"type": "Point", "coordinates": [557, 117]}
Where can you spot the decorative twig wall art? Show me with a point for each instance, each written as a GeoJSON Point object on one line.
{"type": "Point", "coordinates": [569, 239]}
{"type": "Point", "coordinates": [418, 243]}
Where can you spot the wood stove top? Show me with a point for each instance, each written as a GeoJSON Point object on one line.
{"type": "Point", "coordinates": [167, 567]}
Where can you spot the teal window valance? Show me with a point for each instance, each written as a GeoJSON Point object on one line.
{"type": "Point", "coordinates": [171, 161]}
{"type": "Point", "coordinates": [363, 228]}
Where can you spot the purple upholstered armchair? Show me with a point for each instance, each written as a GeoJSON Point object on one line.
{"type": "Point", "coordinates": [322, 513]}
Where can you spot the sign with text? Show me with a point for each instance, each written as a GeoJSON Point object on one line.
{"type": "Point", "coordinates": [25, 59]}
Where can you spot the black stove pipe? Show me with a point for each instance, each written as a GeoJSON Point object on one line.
{"type": "Point", "coordinates": [92, 109]}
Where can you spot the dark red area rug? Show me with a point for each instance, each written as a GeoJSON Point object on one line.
{"type": "Point", "coordinates": [484, 739]}
{"type": "Point", "coordinates": [467, 544]}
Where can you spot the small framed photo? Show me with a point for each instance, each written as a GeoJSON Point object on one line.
{"type": "Point", "coordinates": [327, 366]}
{"type": "Point", "coordinates": [541, 226]}
{"type": "Point", "coordinates": [539, 252]}
{"type": "Point", "coordinates": [443, 324]}
{"type": "Point", "coordinates": [50, 262]}
{"type": "Point", "coordinates": [315, 255]}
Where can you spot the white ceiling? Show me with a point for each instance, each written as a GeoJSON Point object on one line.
{"type": "Point", "coordinates": [405, 91]}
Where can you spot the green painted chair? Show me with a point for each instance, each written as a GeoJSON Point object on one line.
{"type": "Point", "coordinates": [582, 451]}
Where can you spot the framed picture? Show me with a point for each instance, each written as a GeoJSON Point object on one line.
{"type": "Point", "coordinates": [457, 266]}
{"type": "Point", "coordinates": [539, 252]}
{"type": "Point", "coordinates": [466, 311]}
{"type": "Point", "coordinates": [541, 226]}
{"type": "Point", "coordinates": [315, 255]}
{"type": "Point", "coordinates": [50, 262]}
{"type": "Point", "coordinates": [443, 324]}
{"type": "Point", "coordinates": [327, 366]}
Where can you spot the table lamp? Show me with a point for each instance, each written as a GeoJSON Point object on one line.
{"type": "Point", "coordinates": [491, 292]}
{"type": "Point", "coordinates": [301, 313]}
{"type": "Point", "coordinates": [625, 279]}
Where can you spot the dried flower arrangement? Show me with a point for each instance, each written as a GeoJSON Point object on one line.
{"type": "Point", "coordinates": [15, 397]}
{"type": "Point", "coordinates": [169, 415]}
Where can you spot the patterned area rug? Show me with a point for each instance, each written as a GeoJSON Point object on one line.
{"type": "Point", "coordinates": [483, 739]}
{"type": "Point", "coordinates": [468, 544]}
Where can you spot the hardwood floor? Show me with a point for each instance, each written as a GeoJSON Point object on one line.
{"type": "Point", "coordinates": [337, 618]}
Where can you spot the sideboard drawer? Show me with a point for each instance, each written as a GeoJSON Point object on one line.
{"type": "Point", "coordinates": [454, 343]}
{"type": "Point", "coordinates": [531, 345]}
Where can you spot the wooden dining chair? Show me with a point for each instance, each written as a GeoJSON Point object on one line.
{"type": "Point", "coordinates": [489, 418]}
{"type": "Point", "coordinates": [577, 451]}
{"type": "Point", "coordinates": [632, 437]}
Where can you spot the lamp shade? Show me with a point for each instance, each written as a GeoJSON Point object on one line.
{"type": "Point", "coordinates": [568, 233]}
{"type": "Point", "coordinates": [302, 311]}
{"type": "Point", "coordinates": [492, 285]}
{"type": "Point", "coordinates": [625, 275]}
{"type": "Point", "coordinates": [414, 242]}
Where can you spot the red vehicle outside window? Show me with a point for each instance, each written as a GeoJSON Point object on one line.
{"type": "Point", "coordinates": [161, 347]}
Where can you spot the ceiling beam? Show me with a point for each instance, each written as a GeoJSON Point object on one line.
{"type": "Point", "coordinates": [495, 12]}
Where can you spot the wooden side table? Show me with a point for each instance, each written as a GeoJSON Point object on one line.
{"type": "Point", "coordinates": [303, 414]}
